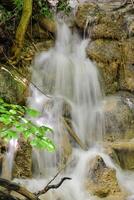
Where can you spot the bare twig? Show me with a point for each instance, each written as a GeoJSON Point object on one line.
{"type": "Point", "coordinates": [48, 187]}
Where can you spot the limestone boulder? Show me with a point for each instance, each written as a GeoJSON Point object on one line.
{"type": "Point", "coordinates": [110, 26]}
{"type": "Point", "coordinates": [105, 51]}
{"type": "Point", "coordinates": [22, 166]}
{"type": "Point", "coordinates": [119, 118]}
{"type": "Point", "coordinates": [127, 72]}
{"type": "Point", "coordinates": [47, 24]}
{"type": "Point", "coordinates": [108, 56]}
{"type": "Point", "coordinates": [112, 42]}
{"type": "Point", "coordinates": [88, 13]}
{"type": "Point", "coordinates": [124, 154]}
{"type": "Point", "coordinates": [13, 86]}
{"type": "Point", "coordinates": [102, 180]}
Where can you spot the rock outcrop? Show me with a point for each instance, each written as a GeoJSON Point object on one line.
{"type": "Point", "coordinates": [22, 167]}
{"type": "Point", "coordinates": [111, 46]}
{"type": "Point", "coordinates": [102, 180]}
{"type": "Point", "coordinates": [13, 86]}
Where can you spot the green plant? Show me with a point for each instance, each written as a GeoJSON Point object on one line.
{"type": "Point", "coordinates": [13, 123]}
{"type": "Point", "coordinates": [4, 14]}
{"type": "Point", "coordinates": [18, 4]}
{"type": "Point", "coordinates": [64, 6]}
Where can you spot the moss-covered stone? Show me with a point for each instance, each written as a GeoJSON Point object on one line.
{"type": "Point", "coordinates": [48, 24]}
{"type": "Point", "coordinates": [22, 167]}
{"type": "Point", "coordinates": [87, 13]}
{"type": "Point", "coordinates": [124, 152]}
{"type": "Point", "coordinates": [108, 56]}
{"type": "Point", "coordinates": [119, 118]}
{"type": "Point", "coordinates": [102, 180]}
{"type": "Point", "coordinates": [13, 87]}
{"type": "Point", "coordinates": [127, 70]}
{"type": "Point", "coordinates": [105, 51]}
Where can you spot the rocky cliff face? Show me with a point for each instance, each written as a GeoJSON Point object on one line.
{"type": "Point", "coordinates": [110, 27]}
{"type": "Point", "coordinates": [112, 43]}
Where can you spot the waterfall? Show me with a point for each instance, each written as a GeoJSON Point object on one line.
{"type": "Point", "coordinates": [69, 90]}
{"type": "Point", "coordinates": [69, 79]}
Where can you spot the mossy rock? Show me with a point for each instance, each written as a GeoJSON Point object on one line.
{"type": "Point", "coordinates": [88, 13]}
{"type": "Point", "coordinates": [119, 118]}
{"type": "Point", "coordinates": [22, 166]}
{"type": "Point", "coordinates": [111, 26]}
{"type": "Point", "coordinates": [127, 70]}
{"type": "Point", "coordinates": [13, 87]}
{"type": "Point", "coordinates": [124, 154]}
{"type": "Point", "coordinates": [105, 51]}
{"type": "Point", "coordinates": [102, 180]}
{"type": "Point", "coordinates": [108, 57]}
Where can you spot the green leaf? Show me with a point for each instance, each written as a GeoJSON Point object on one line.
{"type": "Point", "coordinates": [13, 112]}
{"type": "Point", "coordinates": [1, 100]}
{"type": "Point", "coordinates": [32, 112]}
{"type": "Point", "coordinates": [27, 133]}
{"type": "Point", "coordinates": [9, 134]}
{"type": "Point", "coordinates": [6, 119]}
{"type": "Point", "coordinates": [43, 143]}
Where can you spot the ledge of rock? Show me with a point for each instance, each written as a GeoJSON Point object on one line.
{"type": "Point", "coordinates": [13, 87]}
{"type": "Point", "coordinates": [102, 180]}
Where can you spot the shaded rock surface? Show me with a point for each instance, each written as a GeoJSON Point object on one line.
{"type": "Point", "coordinates": [102, 180]}
{"type": "Point", "coordinates": [13, 87]}
{"type": "Point", "coordinates": [123, 154]}
{"type": "Point", "coordinates": [111, 46]}
{"type": "Point", "coordinates": [22, 167]}
{"type": "Point", "coordinates": [119, 117]}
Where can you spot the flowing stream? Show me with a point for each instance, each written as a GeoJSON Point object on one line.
{"type": "Point", "coordinates": [71, 82]}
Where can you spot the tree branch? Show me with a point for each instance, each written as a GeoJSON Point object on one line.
{"type": "Point", "coordinates": [48, 187]}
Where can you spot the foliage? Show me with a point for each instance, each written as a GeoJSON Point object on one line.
{"type": "Point", "coordinates": [18, 4]}
{"type": "Point", "coordinates": [44, 8]}
{"type": "Point", "coordinates": [13, 123]}
{"type": "Point", "coordinates": [64, 6]}
{"type": "Point", "coordinates": [4, 14]}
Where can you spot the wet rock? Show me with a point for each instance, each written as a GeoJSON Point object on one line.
{"type": "Point", "coordinates": [22, 167]}
{"type": "Point", "coordinates": [109, 74]}
{"type": "Point", "coordinates": [111, 26]}
{"type": "Point", "coordinates": [124, 154]}
{"type": "Point", "coordinates": [13, 87]}
{"type": "Point", "coordinates": [88, 13]}
{"type": "Point", "coordinates": [3, 149]}
{"type": "Point", "coordinates": [127, 72]}
{"type": "Point", "coordinates": [110, 46]}
{"type": "Point", "coordinates": [47, 24]}
{"type": "Point", "coordinates": [119, 118]}
{"type": "Point", "coordinates": [102, 180]}
{"type": "Point", "coordinates": [39, 33]}
{"type": "Point", "coordinates": [44, 46]}
{"type": "Point", "coordinates": [105, 51]}
{"type": "Point", "coordinates": [108, 56]}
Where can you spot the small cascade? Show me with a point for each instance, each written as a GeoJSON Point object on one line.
{"type": "Point", "coordinates": [69, 79]}
{"type": "Point", "coordinates": [69, 95]}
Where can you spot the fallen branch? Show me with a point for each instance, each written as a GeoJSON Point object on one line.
{"type": "Point", "coordinates": [10, 186]}
{"type": "Point", "coordinates": [73, 134]}
{"type": "Point", "coordinates": [48, 187]}
{"type": "Point", "coordinates": [6, 196]}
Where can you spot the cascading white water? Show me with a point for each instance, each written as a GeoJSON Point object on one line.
{"type": "Point", "coordinates": [68, 77]}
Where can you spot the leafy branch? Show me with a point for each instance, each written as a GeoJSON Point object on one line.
{"type": "Point", "coordinates": [13, 123]}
